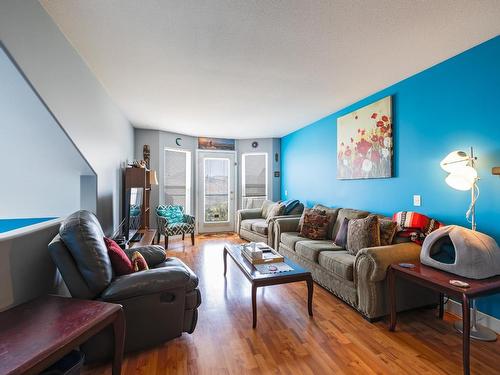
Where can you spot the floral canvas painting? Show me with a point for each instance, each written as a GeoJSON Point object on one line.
{"type": "Point", "coordinates": [364, 142]}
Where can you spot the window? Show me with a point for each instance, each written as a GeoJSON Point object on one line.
{"type": "Point", "coordinates": [254, 179]}
{"type": "Point", "coordinates": [177, 181]}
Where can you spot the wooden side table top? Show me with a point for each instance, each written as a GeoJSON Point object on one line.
{"type": "Point", "coordinates": [440, 281]}
{"type": "Point", "coordinates": [34, 331]}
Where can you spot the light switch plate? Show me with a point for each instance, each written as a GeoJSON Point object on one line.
{"type": "Point", "coordinates": [417, 201]}
{"type": "Point", "coordinates": [286, 193]}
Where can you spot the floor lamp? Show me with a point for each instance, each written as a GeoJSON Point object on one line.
{"type": "Point", "coordinates": [463, 176]}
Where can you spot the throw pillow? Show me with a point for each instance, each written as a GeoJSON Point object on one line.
{"type": "Point", "coordinates": [276, 209]}
{"type": "Point", "coordinates": [173, 214]}
{"type": "Point", "coordinates": [362, 233]}
{"type": "Point", "coordinates": [309, 210]}
{"type": "Point", "coordinates": [119, 260]}
{"type": "Point", "coordinates": [315, 226]}
{"type": "Point", "coordinates": [341, 238]}
{"type": "Point", "coordinates": [387, 231]}
{"type": "Point", "coordinates": [138, 262]}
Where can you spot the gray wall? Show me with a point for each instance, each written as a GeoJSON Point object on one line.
{"type": "Point", "coordinates": [26, 269]}
{"type": "Point", "coordinates": [94, 123]}
{"type": "Point", "coordinates": [159, 140]}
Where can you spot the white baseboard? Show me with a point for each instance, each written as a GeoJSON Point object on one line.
{"type": "Point", "coordinates": [486, 320]}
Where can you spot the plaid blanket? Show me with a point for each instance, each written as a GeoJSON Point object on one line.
{"type": "Point", "coordinates": [414, 225]}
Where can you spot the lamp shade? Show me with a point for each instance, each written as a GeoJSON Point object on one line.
{"type": "Point", "coordinates": [152, 177]}
{"type": "Point", "coordinates": [454, 160]}
{"type": "Point", "coordinates": [462, 178]}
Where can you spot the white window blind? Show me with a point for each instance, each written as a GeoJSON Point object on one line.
{"type": "Point", "coordinates": [177, 181]}
{"type": "Point", "coordinates": [254, 178]}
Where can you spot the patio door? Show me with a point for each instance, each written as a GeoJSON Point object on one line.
{"type": "Point", "coordinates": [216, 191]}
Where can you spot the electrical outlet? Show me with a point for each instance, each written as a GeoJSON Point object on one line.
{"type": "Point", "coordinates": [286, 193]}
{"type": "Point", "coordinates": [417, 201]}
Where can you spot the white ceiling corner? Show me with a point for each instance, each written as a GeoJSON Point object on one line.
{"type": "Point", "coordinates": [245, 69]}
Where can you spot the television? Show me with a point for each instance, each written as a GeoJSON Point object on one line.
{"type": "Point", "coordinates": [133, 213]}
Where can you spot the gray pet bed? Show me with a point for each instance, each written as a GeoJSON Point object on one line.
{"type": "Point", "coordinates": [461, 251]}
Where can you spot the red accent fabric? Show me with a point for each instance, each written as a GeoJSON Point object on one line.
{"type": "Point", "coordinates": [415, 225]}
{"type": "Point", "coordinates": [119, 260]}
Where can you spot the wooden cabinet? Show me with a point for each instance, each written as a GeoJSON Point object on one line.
{"type": "Point", "coordinates": [140, 178]}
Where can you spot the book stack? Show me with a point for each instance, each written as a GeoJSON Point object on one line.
{"type": "Point", "coordinates": [260, 253]}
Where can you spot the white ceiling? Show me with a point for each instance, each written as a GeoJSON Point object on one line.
{"type": "Point", "coordinates": [245, 69]}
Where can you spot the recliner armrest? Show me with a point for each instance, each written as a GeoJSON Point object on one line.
{"type": "Point", "coordinates": [378, 259]}
{"type": "Point", "coordinates": [153, 254]}
{"type": "Point", "coordinates": [141, 283]}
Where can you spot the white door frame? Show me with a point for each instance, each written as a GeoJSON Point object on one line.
{"type": "Point", "coordinates": [233, 191]}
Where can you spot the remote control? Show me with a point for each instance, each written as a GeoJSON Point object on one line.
{"type": "Point", "coordinates": [407, 265]}
{"type": "Point", "coordinates": [460, 284]}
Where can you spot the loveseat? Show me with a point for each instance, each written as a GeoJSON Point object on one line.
{"type": "Point", "coordinates": [252, 223]}
{"type": "Point", "coordinates": [359, 280]}
{"type": "Point", "coordinates": [159, 304]}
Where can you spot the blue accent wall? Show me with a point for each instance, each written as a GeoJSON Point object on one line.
{"type": "Point", "coordinates": [450, 106]}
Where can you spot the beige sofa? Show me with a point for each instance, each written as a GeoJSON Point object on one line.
{"type": "Point", "coordinates": [359, 280]}
{"type": "Point", "coordinates": [252, 226]}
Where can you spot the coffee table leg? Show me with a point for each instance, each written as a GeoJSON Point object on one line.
{"type": "Point", "coordinates": [119, 333]}
{"type": "Point", "coordinates": [391, 286]}
{"type": "Point", "coordinates": [254, 305]}
{"type": "Point", "coordinates": [310, 288]}
{"type": "Point", "coordinates": [466, 333]}
{"type": "Point", "coordinates": [225, 261]}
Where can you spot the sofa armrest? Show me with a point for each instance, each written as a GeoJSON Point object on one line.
{"type": "Point", "coordinates": [153, 254]}
{"type": "Point", "coordinates": [250, 213]}
{"type": "Point", "coordinates": [282, 225]}
{"type": "Point", "coordinates": [372, 263]}
{"type": "Point", "coordinates": [141, 283]}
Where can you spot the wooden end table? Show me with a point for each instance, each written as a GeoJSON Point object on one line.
{"type": "Point", "coordinates": [258, 279]}
{"type": "Point", "coordinates": [36, 334]}
{"type": "Point", "coordinates": [440, 282]}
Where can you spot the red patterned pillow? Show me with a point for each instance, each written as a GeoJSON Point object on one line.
{"type": "Point", "coordinates": [138, 262]}
{"type": "Point", "coordinates": [119, 260]}
{"type": "Point", "coordinates": [315, 225]}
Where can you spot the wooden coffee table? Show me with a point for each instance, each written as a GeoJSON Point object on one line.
{"type": "Point", "coordinates": [258, 279]}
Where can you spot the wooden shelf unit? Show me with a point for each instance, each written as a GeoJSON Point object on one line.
{"type": "Point", "coordinates": [139, 178]}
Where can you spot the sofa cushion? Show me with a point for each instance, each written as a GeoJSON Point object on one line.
{"type": "Point", "coordinates": [347, 213]}
{"type": "Point", "coordinates": [277, 209]}
{"type": "Point", "coordinates": [315, 225]}
{"type": "Point", "coordinates": [247, 223]}
{"type": "Point", "coordinates": [341, 237]}
{"type": "Point", "coordinates": [261, 227]}
{"type": "Point", "coordinates": [363, 233]}
{"type": "Point", "coordinates": [308, 211]}
{"type": "Point", "coordinates": [266, 206]}
{"type": "Point", "coordinates": [339, 262]}
{"type": "Point", "coordinates": [332, 214]}
{"type": "Point", "coordinates": [387, 231]}
{"type": "Point", "coordinates": [289, 239]}
{"type": "Point", "coordinates": [311, 249]}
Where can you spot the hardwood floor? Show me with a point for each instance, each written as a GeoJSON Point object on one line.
{"type": "Point", "coordinates": [337, 340]}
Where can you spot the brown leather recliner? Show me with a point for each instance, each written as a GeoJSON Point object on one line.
{"type": "Point", "coordinates": [159, 304]}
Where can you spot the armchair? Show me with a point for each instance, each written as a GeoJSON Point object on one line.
{"type": "Point", "coordinates": [172, 221]}
{"type": "Point", "coordinates": [159, 304]}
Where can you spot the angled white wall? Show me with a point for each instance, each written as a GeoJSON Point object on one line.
{"type": "Point", "coordinates": [80, 103]}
